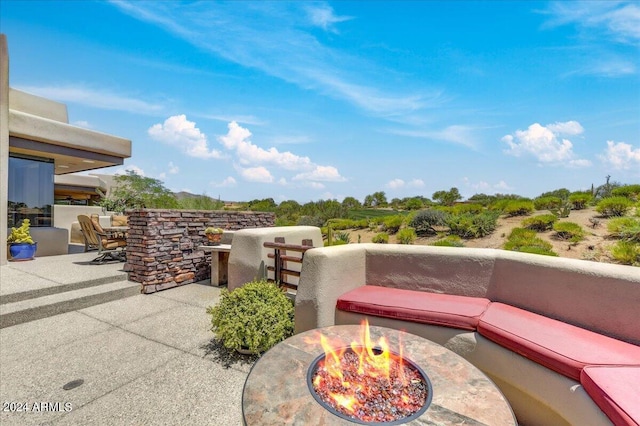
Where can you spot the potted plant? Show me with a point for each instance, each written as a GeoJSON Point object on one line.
{"type": "Point", "coordinates": [214, 235]}
{"type": "Point", "coordinates": [253, 318]}
{"type": "Point", "coordinates": [21, 245]}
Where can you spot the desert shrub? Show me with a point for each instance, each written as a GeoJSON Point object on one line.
{"type": "Point", "coordinates": [546, 203]}
{"type": "Point", "coordinates": [541, 222]}
{"type": "Point", "coordinates": [340, 224]}
{"type": "Point", "coordinates": [448, 241]}
{"type": "Point", "coordinates": [628, 191]}
{"type": "Point", "coordinates": [469, 225]}
{"type": "Point", "coordinates": [406, 236]}
{"type": "Point", "coordinates": [563, 210]}
{"type": "Point", "coordinates": [425, 220]}
{"type": "Point", "coordinates": [342, 237]}
{"type": "Point", "coordinates": [467, 208]}
{"type": "Point", "coordinates": [626, 228]}
{"type": "Point", "coordinates": [626, 252]}
{"type": "Point", "coordinates": [614, 206]}
{"type": "Point", "coordinates": [255, 316]}
{"type": "Point", "coordinates": [518, 208]}
{"type": "Point", "coordinates": [569, 231]}
{"type": "Point", "coordinates": [311, 221]}
{"type": "Point", "coordinates": [580, 200]}
{"type": "Point", "coordinates": [526, 241]}
{"type": "Point", "coordinates": [381, 238]}
{"type": "Point", "coordinates": [393, 223]}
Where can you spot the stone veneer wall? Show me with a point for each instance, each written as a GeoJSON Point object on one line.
{"type": "Point", "coordinates": [162, 245]}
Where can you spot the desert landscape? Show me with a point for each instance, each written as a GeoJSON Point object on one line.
{"type": "Point", "coordinates": [593, 247]}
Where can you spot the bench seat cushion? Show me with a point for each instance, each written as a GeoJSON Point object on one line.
{"type": "Point", "coordinates": [562, 347]}
{"type": "Point", "coordinates": [616, 390]}
{"type": "Point", "coordinates": [416, 306]}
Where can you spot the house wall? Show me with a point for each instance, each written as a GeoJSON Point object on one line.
{"type": "Point", "coordinates": [162, 245]}
{"type": "Point", "coordinates": [4, 145]}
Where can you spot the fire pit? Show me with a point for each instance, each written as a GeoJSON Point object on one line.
{"type": "Point", "coordinates": [425, 384]}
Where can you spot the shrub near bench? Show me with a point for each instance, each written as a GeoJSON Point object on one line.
{"type": "Point", "coordinates": [536, 325]}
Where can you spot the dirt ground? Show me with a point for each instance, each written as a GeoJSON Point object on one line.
{"type": "Point", "coordinates": [593, 247]}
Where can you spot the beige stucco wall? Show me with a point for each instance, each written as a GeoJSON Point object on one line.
{"type": "Point", "coordinates": [4, 145]}
{"type": "Point", "coordinates": [248, 256]}
{"type": "Point", "coordinates": [66, 217]}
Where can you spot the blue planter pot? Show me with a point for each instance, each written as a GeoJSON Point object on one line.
{"type": "Point", "coordinates": [22, 251]}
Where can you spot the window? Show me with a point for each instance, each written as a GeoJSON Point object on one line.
{"type": "Point", "coordinates": [30, 191]}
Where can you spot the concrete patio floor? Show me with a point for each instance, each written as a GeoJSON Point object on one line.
{"type": "Point", "coordinates": [144, 360]}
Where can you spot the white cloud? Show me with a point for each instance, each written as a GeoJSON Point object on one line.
{"type": "Point", "coordinates": [321, 173]}
{"type": "Point", "coordinates": [416, 183]}
{"type": "Point", "coordinates": [544, 143]}
{"type": "Point", "coordinates": [619, 19]}
{"type": "Point", "coordinates": [179, 132]}
{"type": "Point", "coordinates": [102, 99]}
{"type": "Point", "coordinates": [173, 169]}
{"type": "Point", "coordinates": [621, 156]}
{"type": "Point", "coordinates": [458, 134]}
{"type": "Point", "coordinates": [395, 184]}
{"type": "Point", "coordinates": [566, 128]}
{"type": "Point", "coordinates": [315, 185]}
{"type": "Point", "coordinates": [486, 187]}
{"type": "Point", "coordinates": [256, 174]}
{"type": "Point", "coordinates": [226, 182]}
{"type": "Point", "coordinates": [238, 140]}
{"type": "Point", "coordinates": [324, 17]}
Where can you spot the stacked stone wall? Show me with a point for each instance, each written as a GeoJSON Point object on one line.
{"type": "Point", "coordinates": [162, 245]}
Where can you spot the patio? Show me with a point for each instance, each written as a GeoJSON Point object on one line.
{"type": "Point", "coordinates": [143, 359]}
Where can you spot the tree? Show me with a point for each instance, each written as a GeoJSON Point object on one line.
{"type": "Point", "coordinates": [351, 203]}
{"type": "Point", "coordinates": [135, 191]}
{"type": "Point", "coordinates": [447, 198]}
{"type": "Point", "coordinates": [377, 199]}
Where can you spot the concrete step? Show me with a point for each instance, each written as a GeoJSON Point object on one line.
{"type": "Point", "coordinates": [44, 306]}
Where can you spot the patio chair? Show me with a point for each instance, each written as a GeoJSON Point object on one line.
{"type": "Point", "coordinates": [110, 246]}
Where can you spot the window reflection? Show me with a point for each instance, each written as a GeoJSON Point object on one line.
{"type": "Point", "coordinates": [30, 191]}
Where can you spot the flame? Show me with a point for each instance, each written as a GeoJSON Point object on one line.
{"type": "Point", "coordinates": [374, 360]}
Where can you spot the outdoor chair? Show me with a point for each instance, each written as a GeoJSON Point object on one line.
{"type": "Point", "coordinates": [110, 246]}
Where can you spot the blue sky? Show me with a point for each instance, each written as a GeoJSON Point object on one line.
{"type": "Point", "coordinates": [317, 100]}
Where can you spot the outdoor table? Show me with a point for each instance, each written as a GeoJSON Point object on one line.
{"type": "Point", "coordinates": [118, 231]}
{"type": "Point", "coordinates": [219, 262]}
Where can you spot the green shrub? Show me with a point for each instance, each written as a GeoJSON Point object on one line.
{"type": "Point", "coordinates": [563, 210]}
{"type": "Point", "coordinates": [546, 203]}
{"type": "Point", "coordinates": [381, 238]}
{"type": "Point", "coordinates": [467, 208]}
{"type": "Point", "coordinates": [406, 236]}
{"type": "Point", "coordinates": [393, 223]}
{"type": "Point", "coordinates": [614, 206]}
{"type": "Point", "coordinates": [526, 241]}
{"type": "Point", "coordinates": [580, 200]}
{"type": "Point", "coordinates": [469, 225]}
{"type": "Point", "coordinates": [255, 316]}
{"type": "Point", "coordinates": [626, 228]}
{"type": "Point", "coordinates": [628, 191]}
{"type": "Point", "coordinates": [518, 208]}
{"type": "Point", "coordinates": [448, 241]}
{"type": "Point", "coordinates": [342, 237]}
{"type": "Point", "coordinates": [569, 231]}
{"type": "Point", "coordinates": [626, 252]}
{"type": "Point", "coordinates": [424, 221]}
{"type": "Point", "coordinates": [541, 222]}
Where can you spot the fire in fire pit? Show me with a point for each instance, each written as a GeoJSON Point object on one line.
{"type": "Point", "coordinates": [368, 383]}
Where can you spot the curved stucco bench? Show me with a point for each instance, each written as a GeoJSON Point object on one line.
{"type": "Point", "coordinates": [533, 324]}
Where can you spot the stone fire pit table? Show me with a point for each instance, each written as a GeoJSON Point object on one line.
{"type": "Point", "coordinates": [276, 390]}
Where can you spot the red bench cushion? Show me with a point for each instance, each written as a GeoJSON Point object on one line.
{"type": "Point", "coordinates": [561, 347]}
{"type": "Point", "coordinates": [416, 306]}
{"type": "Point", "coordinates": [616, 390]}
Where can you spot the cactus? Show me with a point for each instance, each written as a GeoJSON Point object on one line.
{"type": "Point", "coordinates": [562, 211]}
{"type": "Point", "coordinates": [21, 234]}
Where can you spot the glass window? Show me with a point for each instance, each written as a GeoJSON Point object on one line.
{"type": "Point", "coordinates": [30, 191]}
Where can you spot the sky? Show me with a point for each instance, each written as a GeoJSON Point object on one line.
{"type": "Point", "coordinates": [306, 100]}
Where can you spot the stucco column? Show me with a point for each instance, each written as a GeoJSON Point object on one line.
{"type": "Point", "coordinates": [4, 145]}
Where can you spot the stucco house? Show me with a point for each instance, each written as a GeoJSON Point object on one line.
{"type": "Point", "coordinates": [37, 143]}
